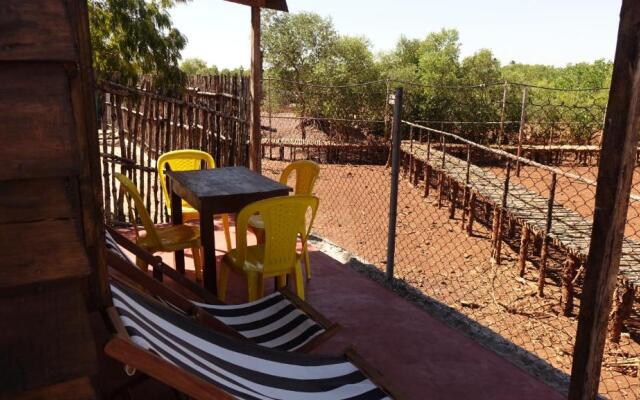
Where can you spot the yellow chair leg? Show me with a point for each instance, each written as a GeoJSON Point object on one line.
{"type": "Point", "coordinates": [307, 261]}
{"type": "Point", "coordinates": [142, 264]}
{"type": "Point", "coordinates": [227, 233]}
{"type": "Point", "coordinates": [297, 271]}
{"type": "Point", "coordinates": [223, 279]}
{"type": "Point", "coordinates": [252, 286]}
{"type": "Point", "coordinates": [197, 263]}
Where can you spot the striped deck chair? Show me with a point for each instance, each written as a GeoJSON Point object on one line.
{"type": "Point", "coordinates": [281, 320]}
{"type": "Point", "coordinates": [172, 348]}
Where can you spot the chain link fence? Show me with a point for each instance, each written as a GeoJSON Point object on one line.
{"type": "Point", "coordinates": [492, 242]}
{"type": "Point", "coordinates": [495, 198]}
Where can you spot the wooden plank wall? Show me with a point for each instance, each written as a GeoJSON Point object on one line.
{"type": "Point", "coordinates": [50, 201]}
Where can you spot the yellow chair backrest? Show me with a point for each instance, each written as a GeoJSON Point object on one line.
{"type": "Point", "coordinates": [135, 198]}
{"type": "Point", "coordinates": [284, 222]}
{"type": "Point", "coordinates": [181, 160]}
{"type": "Point", "coordinates": [306, 174]}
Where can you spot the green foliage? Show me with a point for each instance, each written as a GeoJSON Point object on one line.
{"type": "Point", "coordinates": [135, 37]}
{"type": "Point", "coordinates": [197, 66]}
{"type": "Point", "coordinates": [321, 73]}
{"type": "Point", "coordinates": [294, 45]}
{"type": "Point", "coordinates": [318, 71]}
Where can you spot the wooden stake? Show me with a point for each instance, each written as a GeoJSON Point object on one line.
{"type": "Point", "coordinates": [427, 179]}
{"type": "Point", "coordinates": [523, 120]}
{"type": "Point", "coordinates": [502, 114]}
{"type": "Point", "coordinates": [623, 299]}
{"type": "Point", "coordinates": [453, 198]}
{"type": "Point", "coordinates": [440, 188]}
{"type": "Point", "coordinates": [524, 244]}
{"type": "Point", "coordinates": [568, 273]}
{"type": "Point", "coordinates": [465, 204]}
{"type": "Point", "coordinates": [472, 206]}
{"type": "Point", "coordinates": [256, 89]}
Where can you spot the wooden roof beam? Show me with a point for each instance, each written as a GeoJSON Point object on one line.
{"type": "Point", "coordinates": [279, 5]}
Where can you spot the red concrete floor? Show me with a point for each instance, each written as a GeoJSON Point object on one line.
{"type": "Point", "coordinates": [418, 354]}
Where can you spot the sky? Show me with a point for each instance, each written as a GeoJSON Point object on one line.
{"type": "Point", "coordinates": [554, 32]}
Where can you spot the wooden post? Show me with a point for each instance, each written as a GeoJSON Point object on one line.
{"type": "Point", "coordinates": [498, 218]}
{"type": "Point", "coordinates": [544, 253]}
{"type": "Point", "coordinates": [270, 111]}
{"type": "Point", "coordinates": [428, 145]}
{"type": "Point", "coordinates": [622, 308]}
{"type": "Point", "coordinates": [522, 254]}
{"type": "Point", "coordinates": [568, 273]}
{"type": "Point", "coordinates": [467, 188]}
{"type": "Point", "coordinates": [427, 179]}
{"type": "Point", "coordinates": [453, 197]}
{"type": "Point", "coordinates": [523, 120]}
{"type": "Point", "coordinates": [472, 206]}
{"type": "Point", "coordinates": [616, 166]}
{"type": "Point", "coordinates": [444, 152]}
{"type": "Point", "coordinates": [440, 188]}
{"type": "Point", "coordinates": [502, 114]}
{"type": "Point", "coordinates": [256, 89]}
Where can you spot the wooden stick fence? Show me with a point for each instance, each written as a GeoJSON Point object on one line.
{"type": "Point", "coordinates": [138, 125]}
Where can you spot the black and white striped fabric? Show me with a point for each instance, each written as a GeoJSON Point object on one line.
{"type": "Point", "coordinates": [272, 321]}
{"type": "Point", "coordinates": [242, 369]}
{"type": "Point", "coordinates": [115, 247]}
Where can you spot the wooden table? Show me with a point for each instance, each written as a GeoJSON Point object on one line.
{"type": "Point", "coordinates": [216, 191]}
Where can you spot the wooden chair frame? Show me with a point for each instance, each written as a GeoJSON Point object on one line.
{"type": "Point", "coordinates": [121, 348]}
{"type": "Point", "coordinates": [155, 287]}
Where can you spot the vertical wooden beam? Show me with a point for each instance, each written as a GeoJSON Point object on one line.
{"type": "Point", "coordinates": [502, 114]}
{"type": "Point", "coordinates": [525, 238]}
{"type": "Point", "coordinates": [523, 120]}
{"type": "Point", "coordinates": [256, 89]}
{"type": "Point", "coordinates": [617, 162]}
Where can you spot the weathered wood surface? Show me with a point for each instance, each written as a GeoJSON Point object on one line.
{"type": "Point", "coordinates": [35, 30]}
{"type": "Point", "coordinates": [36, 121]}
{"type": "Point", "coordinates": [45, 338]}
{"type": "Point", "coordinates": [569, 230]}
{"type": "Point", "coordinates": [50, 214]}
{"type": "Point", "coordinates": [75, 389]}
{"type": "Point", "coordinates": [40, 252]}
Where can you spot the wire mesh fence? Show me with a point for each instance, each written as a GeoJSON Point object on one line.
{"type": "Point", "coordinates": [497, 239]}
{"type": "Point", "coordinates": [495, 203]}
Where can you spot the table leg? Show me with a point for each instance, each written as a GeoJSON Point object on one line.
{"type": "Point", "coordinates": [176, 219]}
{"type": "Point", "coordinates": [207, 237]}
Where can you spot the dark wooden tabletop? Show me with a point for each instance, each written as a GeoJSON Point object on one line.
{"type": "Point", "coordinates": [224, 189]}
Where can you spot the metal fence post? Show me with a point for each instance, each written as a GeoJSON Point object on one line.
{"type": "Point", "coordinates": [395, 170]}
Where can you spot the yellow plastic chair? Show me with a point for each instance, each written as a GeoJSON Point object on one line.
{"type": "Point", "coordinates": [306, 174]}
{"type": "Point", "coordinates": [284, 220]}
{"type": "Point", "coordinates": [188, 160]}
{"type": "Point", "coordinates": [168, 238]}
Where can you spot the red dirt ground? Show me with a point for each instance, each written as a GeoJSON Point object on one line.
{"type": "Point", "coordinates": [436, 257]}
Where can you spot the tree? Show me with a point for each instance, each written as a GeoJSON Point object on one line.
{"type": "Point", "coordinates": [134, 37]}
{"type": "Point", "coordinates": [480, 98]}
{"type": "Point", "coordinates": [353, 88]}
{"type": "Point", "coordinates": [197, 66]}
{"type": "Point", "coordinates": [293, 45]}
